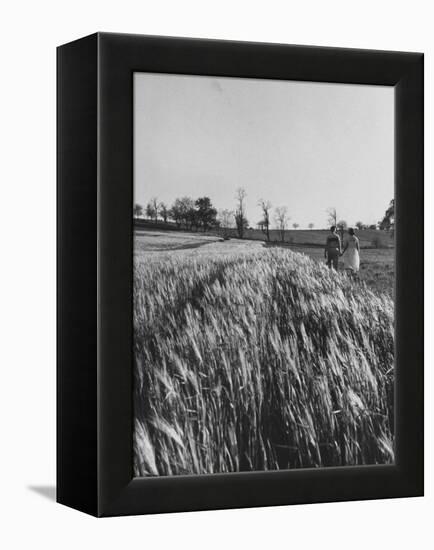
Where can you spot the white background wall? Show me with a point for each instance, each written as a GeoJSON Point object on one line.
{"type": "Point", "coordinates": [30, 31]}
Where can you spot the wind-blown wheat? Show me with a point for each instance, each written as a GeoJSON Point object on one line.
{"type": "Point", "coordinates": [258, 361]}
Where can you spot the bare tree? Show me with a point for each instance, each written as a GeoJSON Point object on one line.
{"type": "Point", "coordinates": [281, 218]}
{"type": "Point", "coordinates": [240, 212]}
{"type": "Point", "coordinates": [149, 211]}
{"type": "Point", "coordinates": [295, 225]}
{"type": "Point", "coordinates": [311, 225]}
{"type": "Point", "coordinates": [164, 211]}
{"type": "Point", "coordinates": [265, 207]}
{"type": "Point", "coordinates": [332, 217]}
{"type": "Point", "coordinates": [225, 219]}
{"type": "Point", "coordinates": [152, 209]}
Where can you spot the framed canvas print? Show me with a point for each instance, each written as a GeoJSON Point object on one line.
{"type": "Point", "coordinates": [240, 274]}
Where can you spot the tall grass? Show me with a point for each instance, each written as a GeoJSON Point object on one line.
{"type": "Point", "coordinates": [258, 361]}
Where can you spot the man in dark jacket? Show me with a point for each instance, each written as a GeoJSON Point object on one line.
{"type": "Point", "coordinates": [332, 248]}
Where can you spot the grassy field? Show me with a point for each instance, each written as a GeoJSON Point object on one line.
{"type": "Point", "coordinates": [369, 238]}
{"type": "Point", "coordinates": [162, 241]}
{"type": "Point", "coordinates": [377, 265]}
{"type": "Point", "coordinates": [256, 358]}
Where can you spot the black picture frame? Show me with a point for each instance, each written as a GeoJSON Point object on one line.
{"type": "Point", "coordinates": [95, 200]}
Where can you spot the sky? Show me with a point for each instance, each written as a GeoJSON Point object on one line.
{"type": "Point", "coordinates": [305, 145]}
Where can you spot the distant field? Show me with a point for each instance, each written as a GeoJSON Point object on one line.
{"type": "Point", "coordinates": [250, 357]}
{"type": "Point", "coordinates": [369, 238]}
{"type": "Point", "coordinates": [158, 241]}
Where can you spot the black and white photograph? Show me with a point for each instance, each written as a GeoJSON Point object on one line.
{"type": "Point", "coordinates": [217, 281]}
{"type": "Point", "coordinates": [263, 275]}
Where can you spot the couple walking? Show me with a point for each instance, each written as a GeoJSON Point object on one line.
{"type": "Point", "coordinates": [333, 249]}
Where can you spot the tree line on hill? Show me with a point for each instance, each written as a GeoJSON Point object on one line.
{"type": "Point", "coordinates": [200, 214]}
{"type": "Point", "coordinates": [185, 212]}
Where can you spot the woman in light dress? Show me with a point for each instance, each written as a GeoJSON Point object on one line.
{"type": "Point", "coordinates": [352, 253]}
